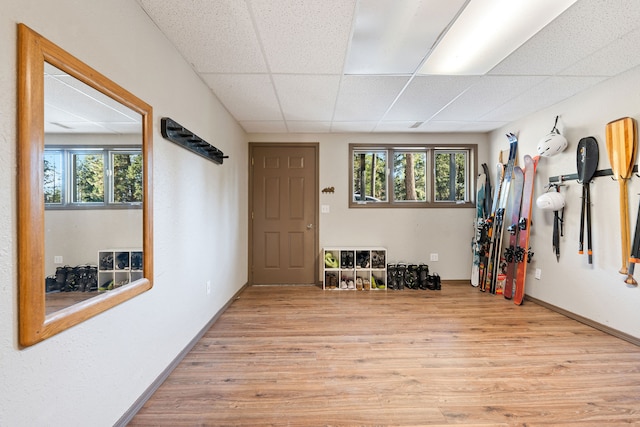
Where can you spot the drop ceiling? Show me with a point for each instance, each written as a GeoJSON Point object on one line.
{"type": "Point", "coordinates": [308, 65]}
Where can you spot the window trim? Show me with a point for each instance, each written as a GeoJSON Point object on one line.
{"type": "Point", "coordinates": [430, 149]}
{"type": "Point", "coordinates": [67, 196]}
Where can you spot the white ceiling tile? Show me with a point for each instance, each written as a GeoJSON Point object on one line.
{"type": "Point", "coordinates": [67, 95]}
{"type": "Point", "coordinates": [306, 97]}
{"type": "Point", "coordinates": [214, 36]}
{"type": "Point", "coordinates": [619, 56]}
{"type": "Point", "coordinates": [480, 126]}
{"type": "Point", "coordinates": [583, 29]}
{"type": "Point", "coordinates": [388, 39]}
{"type": "Point", "coordinates": [304, 37]}
{"type": "Point", "coordinates": [308, 127]}
{"type": "Point", "coordinates": [248, 97]}
{"type": "Point", "coordinates": [264, 126]}
{"type": "Point", "coordinates": [347, 127]}
{"type": "Point", "coordinates": [487, 94]}
{"type": "Point", "coordinates": [546, 94]}
{"type": "Point", "coordinates": [441, 126]}
{"type": "Point", "coordinates": [366, 98]}
{"type": "Point", "coordinates": [396, 126]}
{"type": "Point", "coordinates": [426, 95]}
{"type": "Point", "coordinates": [271, 60]}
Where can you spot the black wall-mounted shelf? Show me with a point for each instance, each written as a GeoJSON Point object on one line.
{"type": "Point", "coordinates": [175, 132]}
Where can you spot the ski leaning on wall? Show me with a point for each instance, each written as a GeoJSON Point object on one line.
{"type": "Point", "coordinates": [484, 189]}
{"type": "Point", "coordinates": [523, 253]}
{"type": "Point", "coordinates": [487, 230]}
{"type": "Point", "coordinates": [512, 228]}
{"type": "Point", "coordinates": [498, 223]}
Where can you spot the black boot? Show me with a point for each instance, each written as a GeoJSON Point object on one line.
{"type": "Point", "coordinates": [81, 278]}
{"type": "Point", "coordinates": [61, 277]}
{"type": "Point", "coordinates": [431, 282]}
{"type": "Point", "coordinates": [391, 276]}
{"type": "Point", "coordinates": [423, 273]}
{"type": "Point", "coordinates": [411, 276]}
{"type": "Point", "coordinates": [401, 270]}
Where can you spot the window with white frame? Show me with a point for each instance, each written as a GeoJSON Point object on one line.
{"type": "Point", "coordinates": [92, 177]}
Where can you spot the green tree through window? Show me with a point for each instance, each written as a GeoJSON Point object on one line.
{"type": "Point", "coordinates": [369, 176]}
{"type": "Point", "coordinates": [127, 177]}
{"type": "Point", "coordinates": [53, 177]}
{"type": "Point", "coordinates": [450, 175]}
{"type": "Point", "coordinates": [88, 183]}
{"type": "Point", "coordinates": [409, 176]}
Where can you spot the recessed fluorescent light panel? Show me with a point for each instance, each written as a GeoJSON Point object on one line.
{"type": "Point", "coordinates": [487, 31]}
{"type": "Point", "coordinates": [393, 37]}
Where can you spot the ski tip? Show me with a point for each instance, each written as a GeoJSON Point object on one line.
{"type": "Point", "coordinates": [630, 281]}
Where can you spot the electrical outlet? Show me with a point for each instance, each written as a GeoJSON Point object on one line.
{"type": "Point", "coordinates": [208, 287]}
{"type": "Point", "coordinates": [57, 259]}
{"type": "Point", "coordinates": [538, 273]}
{"type": "Point", "coordinates": [325, 209]}
{"type": "Point", "coordinates": [434, 257]}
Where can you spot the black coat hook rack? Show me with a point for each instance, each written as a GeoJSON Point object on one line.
{"type": "Point", "coordinates": [602, 172]}
{"type": "Point", "coordinates": [175, 132]}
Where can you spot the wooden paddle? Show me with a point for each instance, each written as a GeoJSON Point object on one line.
{"type": "Point", "coordinates": [621, 148]}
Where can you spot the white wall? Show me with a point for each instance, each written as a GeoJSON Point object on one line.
{"type": "Point", "coordinates": [594, 291]}
{"type": "Point", "coordinates": [78, 235]}
{"type": "Point", "coordinates": [410, 234]}
{"type": "Point", "coordinates": [92, 373]}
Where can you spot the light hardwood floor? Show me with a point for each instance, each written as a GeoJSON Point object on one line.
{"type": "Point", "coordinates": [300, 356]}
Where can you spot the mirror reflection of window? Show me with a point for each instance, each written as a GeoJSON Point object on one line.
{"type": "Point", "coordinates": [97, 177]}
{"type": "Point", "coordinates": [127, 177]}
{"type": "Point", "coordinates": [53, 177]}
{"type": "Point", "coordinates": [88, 177]}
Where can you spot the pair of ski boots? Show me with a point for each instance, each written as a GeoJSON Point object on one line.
{"type": "Point", "coordinates": [83, 278]}
{"type": "Point", "coordinates": [412, 276]}
{"type": "Point", "coordinates": [86, 278]}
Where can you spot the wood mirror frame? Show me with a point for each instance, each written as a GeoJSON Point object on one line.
{"type": "Point", "coordinates": [34, 325]}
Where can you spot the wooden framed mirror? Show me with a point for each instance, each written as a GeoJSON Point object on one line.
{"type": "Point", "coordinates": [37, 56]}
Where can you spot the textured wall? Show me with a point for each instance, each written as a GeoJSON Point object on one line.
{"type": "Point", "coordinates": [409, 235]}
{"type": "Point", "coordinates": [92, 373]}
{"type": "Point", "coordinates": [594, 291]}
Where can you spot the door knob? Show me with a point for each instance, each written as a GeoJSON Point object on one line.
{"type": "Point", "coordinates": [309, 226]}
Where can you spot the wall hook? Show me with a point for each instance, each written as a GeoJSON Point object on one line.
{"type": "Point", "coordinates": [174, 132]}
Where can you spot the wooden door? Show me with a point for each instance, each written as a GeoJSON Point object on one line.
{"type": "Point", "coordinates": [283, 214]}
